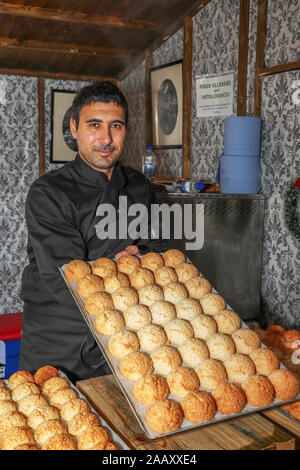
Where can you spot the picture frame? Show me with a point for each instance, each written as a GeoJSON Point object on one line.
{"type": "Point", "coordinates": [63, 148]}
{"type": "Point", "coordinates": [166, 90]}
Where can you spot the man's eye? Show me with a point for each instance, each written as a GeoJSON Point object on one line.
{"type": "Point", "coordinates": [94, 124]}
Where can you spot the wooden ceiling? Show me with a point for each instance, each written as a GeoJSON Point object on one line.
{"type": "Point", "coordinates": [86, 38]}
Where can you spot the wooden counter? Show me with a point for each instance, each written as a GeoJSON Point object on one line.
{"type": "Point", "coordinates": [263, 430]}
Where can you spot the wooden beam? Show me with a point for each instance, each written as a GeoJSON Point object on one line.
{"type": "Point", "coordinates": [187, 97]}
{"type": "Point", "coordinates": [56, 76]}
{"type": "Point", "coordinates": [243, 57]}
{"type": "Point", "coordinates": [164, 37]}
{"type": "Point", "coordinates": [64, 48]}
{"type": "Point", "coordinates": [261, 35]}
{"type": "Point", "coordinates": [28, 11]}
{"type": "Point", "coordinates": [289, 67]}
{"type": "Point", "coordinates": [41, 120]}
{"type": "Point", "coordinates": [148, 106]}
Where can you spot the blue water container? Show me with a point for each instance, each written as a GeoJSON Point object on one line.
{"type": "Point", "coordinates": [242, 136]}
{"type": "Point", "coordinates": [239, 174]}
{"type": "Point", "coordinates": [10, 336]}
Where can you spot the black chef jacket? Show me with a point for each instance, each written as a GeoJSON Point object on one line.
{"type": "Point", "coordinates": [61, 217]}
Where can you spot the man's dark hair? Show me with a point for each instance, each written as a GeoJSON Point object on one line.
{"type": "Point", "coordinates": [98, 91]}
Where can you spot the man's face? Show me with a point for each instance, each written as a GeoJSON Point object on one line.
{"type": "Point", "coordinates": [100, 135]}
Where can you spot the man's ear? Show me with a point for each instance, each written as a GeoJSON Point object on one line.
{"type": "Point", "coordinates": [73, 127]}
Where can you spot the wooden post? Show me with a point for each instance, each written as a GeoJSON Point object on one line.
{"type": "Point", "coordinates": [261, 35]}
{"type": "Point", "coordinates": [148, 107]}
{"type": "Point", "coordinates": [41, 120]}
{"type": "Point", "coordinates": [187, 97]}
{"type": "Point", "coordinates": [243, 57]}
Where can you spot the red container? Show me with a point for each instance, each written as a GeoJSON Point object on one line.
{"type": "Point", "coordinates": [10, 337]}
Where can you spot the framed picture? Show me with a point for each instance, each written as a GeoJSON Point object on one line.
{"type": "Point", "coordinates": [167, 104]}
{"type": "Point", "coordinates": [63, 145]}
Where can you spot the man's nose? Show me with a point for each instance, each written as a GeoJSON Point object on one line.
{"type": "Point", "coordinates": [105, 135]}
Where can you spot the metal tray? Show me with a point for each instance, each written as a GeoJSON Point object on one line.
{"type": "Point", "coordinates": [126, 385]}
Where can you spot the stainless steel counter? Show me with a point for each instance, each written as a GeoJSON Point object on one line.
{"type": "Point", "coordinates": [231, 255]}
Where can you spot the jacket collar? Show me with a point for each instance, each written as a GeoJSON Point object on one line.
{"type": "Point", "coordinates": [99, 178]}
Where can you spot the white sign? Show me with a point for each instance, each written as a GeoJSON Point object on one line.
{"type": "Point", "coordinates": [215, 95]}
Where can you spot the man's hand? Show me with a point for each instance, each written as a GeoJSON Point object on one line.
{"type": "Point", "coordinates": [129, 250]}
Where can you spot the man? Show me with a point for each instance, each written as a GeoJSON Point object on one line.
{"type": "Point", "coordinates": [62, 210]}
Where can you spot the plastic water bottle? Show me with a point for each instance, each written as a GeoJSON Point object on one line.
{"type": "Point", "coordinates": [190, 186]}
{"type": "Point", "coordinates": [149, 162]}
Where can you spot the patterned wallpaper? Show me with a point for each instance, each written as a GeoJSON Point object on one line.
{"type": "Point", "coordinates": [215, 50]}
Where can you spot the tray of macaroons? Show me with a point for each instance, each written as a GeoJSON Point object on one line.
{"type": "Point", "coordinates": [44, 411]}
{"type": "Point", "coordinates": [182, 357]}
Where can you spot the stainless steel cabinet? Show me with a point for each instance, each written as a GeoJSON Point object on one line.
{"type": "Point", "coordinates": [231, 254]}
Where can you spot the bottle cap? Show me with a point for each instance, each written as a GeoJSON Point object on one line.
{"type": "Point", "coordinates": [199, 186]}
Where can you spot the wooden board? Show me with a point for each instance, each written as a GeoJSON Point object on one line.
{"type": "Point", "coordinates": [249, 432]}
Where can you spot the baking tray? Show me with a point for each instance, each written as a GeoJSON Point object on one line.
{"type": "Point", "coordinates": [126, 385]}
{"type": "Point", "coordinates": [286, 413]}
{"type": "Point", "coordinates": [116, 439]}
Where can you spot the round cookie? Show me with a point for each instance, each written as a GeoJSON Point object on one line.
{"type": "Point", "coordinates": [182, 380]}
{"type": "Point", "coordinates": [151, 337]}
{"type": "Point", "coordinates": [92, 436]}
{"type": "Point", "coordinates": [220, 346]}
{"type": "Point", "coordinates": [265, 361]}
{"type": "Point", "coordinates": [178, 331]}
{"type": "Point", "coordinates": [212, 304]}
{"type": "Point", "coordinates": [23, 390]}
{"type": "Point", "coordinates": [295, 410]}
{"type": "Point", "coordinates": [259, 391]}
{"type": "Point", "coordinates": [123, 342]}
{"type": "Point", "coordinates": [136, 365]}
{"type": "Point", "coordinates": [72, 407]}
{"type": "Point", "coordinates": [211, 373]}
{"type": "Point", "coordinates": [162, 312]}
{"type": "Point", "coordinates": [53, 384]}
{"type": "Point", "coordinates": [12, 419]}
{"type": "Point", "coordinates": [90, 284]}
{"type": "Point", "coordinates": [173, 257]}
{"type": "Point", "coordinates": [186, 271]}
{"type": "Point", "coordinates": [16, 436]}
{"type": "Point", "coordinates": [109, 322]}
{"type": "Point", "coordinates": [204, 326]}
{"type": "Point", "coordinates": [193, 351]}
{"type": "Point", "coordinates": [199, 406]}
{"type": "Point", "coordinates": [230, 398]}
{"type": "Point", "coordinates": [165, 359]}
{"type": "Point", "coordinates": [47, 429]}
{"type": "Point", "coordinates": [174, 292]}
{"type": "Point", "coordinates": [188, 308]}
{"type": "Point", "coordinates": [30, 402]}
{"type": "Point", "coordinates": [104, 267]}
{"type": "Point", "coordinates": [114, 282]}
{"type": "Point", "coordinates": [61, 396]}
{"type": "Point", "coordinates": [228, 321]}
{"type": "Point", "coordinates": [285, 383]}
{"type": "Point", "coordinates": [5, 394]}
{"type": "Point", "coordinates": [141, 277]}
{"type": "Point", "coordinates": [77, 269]}
{"type": "Point", "coordinates": [61, 441]}
{"type": "Point", "coordinates": [198, 287]}
{"type": "Point", "coordinates": [164, 416]}
{"type": "Point", "coordinates": [125, 297]}
{"type": "Point", "coordinates": [245, 340]}
{"type": "Point", "coordinates": [150, 388]}
{"type": "Point", "coordinates": [19, 377]}
{"type": "Point", "coordinates": [137, 316]}
{"type": "Point", "coordinates": [152, 261]}
{"type": "Point", "coordinates": [239, 368]}
{"type": "Point", "coordinates": [42, 413]}
{"type": "Point", "coordinates": [165, 275]}
{"type": "Point", "coordinates": [98, 302]}
{"type": "Point", "coordinates": [81, 422]}
{"type": "Point", "coordinates": [6, 406]}
{"type": "Point", "coordinates": [127, 264]}
{"type": "Point", "coordinates": [44, 373]}
{"type": "Point", "coordinates": [149, 294]}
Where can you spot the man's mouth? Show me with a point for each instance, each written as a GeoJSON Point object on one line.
{"type": "Point", "coordinates": [105, 151]}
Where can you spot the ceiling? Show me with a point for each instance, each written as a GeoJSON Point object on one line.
{"type": "Point", "coordinates": [86, 38]}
